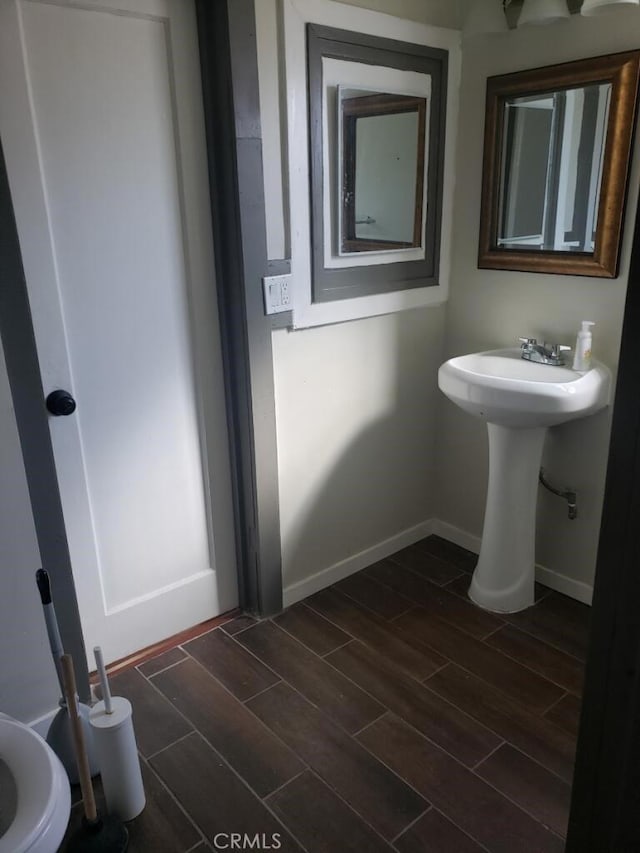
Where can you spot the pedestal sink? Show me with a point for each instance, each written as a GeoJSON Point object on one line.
{"type": "Point", "coordinates": [519, 400]}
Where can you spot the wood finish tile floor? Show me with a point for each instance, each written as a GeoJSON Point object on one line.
{"type": "Point", "coordinates": [384, 713]}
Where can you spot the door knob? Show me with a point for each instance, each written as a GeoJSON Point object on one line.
{"type": "Point", "coordinates": [60, 403]}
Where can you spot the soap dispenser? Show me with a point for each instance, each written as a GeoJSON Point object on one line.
{"type": "Point", "coordinates": [582, 354]}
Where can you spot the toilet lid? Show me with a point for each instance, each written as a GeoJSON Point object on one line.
{"type": "Point", "coordinates": [32, 765]}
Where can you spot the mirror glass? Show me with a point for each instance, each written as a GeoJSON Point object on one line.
{"type": "Point", "coordinates": [381, 170]}
{"type": "Point", "coordinates": [557, 153]}
{"type": "Point", "coordinates": [552, 154]}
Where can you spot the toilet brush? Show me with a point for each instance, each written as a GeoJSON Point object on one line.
{"type": "Point", "coordinates": [59, 734]}
{"type": "Point", "coordinates": [96, 834]}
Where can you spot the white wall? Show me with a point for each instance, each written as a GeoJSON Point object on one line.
{"type": "Point", "coordinates": [493, 308]}
{"type": "Point", "coordinates": [355, 408]}
{"type": "Point", "coordinates": [438, 13]}
{"type": "Point", "coordinates": [28, 686]}
{"type": "Point", "coordinates": [355, 402]}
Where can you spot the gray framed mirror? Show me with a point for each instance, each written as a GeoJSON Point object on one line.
{"type": "Point", "coordinates": [381, 170]}
{"type": "Point", "coordinates": [344, 270]}
{"type": "Point", "coordinates": [556, 159]}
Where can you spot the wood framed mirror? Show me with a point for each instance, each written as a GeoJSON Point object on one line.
{"type": "Point", "coordinates": [381, 170]}
{"type": "Point", "coordinates": [557, 151]}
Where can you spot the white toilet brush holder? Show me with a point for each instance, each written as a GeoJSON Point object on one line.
{"type": "Point", "coordinates": [115, 742]}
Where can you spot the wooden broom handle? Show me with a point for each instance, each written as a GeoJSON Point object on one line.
{"type": "Point", "coordinates": [69, 681]}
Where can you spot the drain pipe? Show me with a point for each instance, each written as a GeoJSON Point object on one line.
{"type": "Point", "coordinates": [568, 494]}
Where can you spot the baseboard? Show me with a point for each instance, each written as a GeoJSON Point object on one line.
{"type": "Point", "coordinates": [561, 583]}
{"type": "Point", "coordinates": [332, 574]}
{"type": "Point", "coordinates": [456, 535]}
{"type": "Point", "coordinates": [554, 580]}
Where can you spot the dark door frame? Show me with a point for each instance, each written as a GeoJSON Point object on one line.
{"type": "Point", "coordinates": [229, 64]}
{"type": "Point", "coordinates": [605, 809]}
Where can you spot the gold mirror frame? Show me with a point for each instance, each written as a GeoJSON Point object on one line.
{"type": "Point", "coordinates": [622, 71]}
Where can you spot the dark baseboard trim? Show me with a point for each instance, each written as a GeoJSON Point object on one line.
{"type": "Point", "coordinates": [152, 651]}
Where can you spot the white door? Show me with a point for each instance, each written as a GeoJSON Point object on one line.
{"type": "Point", "coordinates": [101, 123]}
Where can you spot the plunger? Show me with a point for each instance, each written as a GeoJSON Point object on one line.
{"type": "Point", "coordinates": [59, 734]}
{"type": "Point", "coordinates": [96, 834]}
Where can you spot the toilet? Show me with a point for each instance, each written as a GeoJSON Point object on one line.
{"type": "Point", "coordinates": [42, 786]}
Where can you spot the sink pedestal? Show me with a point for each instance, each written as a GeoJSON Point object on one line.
{"type": "Point", "coordinates": [503, 580]}
{"type": "Point", "coordinates": [518, 399]}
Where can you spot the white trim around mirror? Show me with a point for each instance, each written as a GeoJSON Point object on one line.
{"type": "Point", "coordinates": [297, 13]}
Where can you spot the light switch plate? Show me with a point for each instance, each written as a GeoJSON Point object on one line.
{"type": "Point", "coordinates": [277, 293]}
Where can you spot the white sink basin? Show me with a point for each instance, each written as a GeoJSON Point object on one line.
{"type": "Point", "coordinates": [502, 388]}
{"type": "Point", "coordinates": [518, 399]}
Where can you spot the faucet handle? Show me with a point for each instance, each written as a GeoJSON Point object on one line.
{"type": "Point", "coordinates": [528, 341]}
{"type": "Point", "coordinates": [556, 349]}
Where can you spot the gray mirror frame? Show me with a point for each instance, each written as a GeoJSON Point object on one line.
{"type": "Point", "coordinates": [349, 282]}
{"type": "Point", "coordinates": [622, 71]}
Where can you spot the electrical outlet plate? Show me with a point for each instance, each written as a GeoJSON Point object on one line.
{"type": "Point", "coordinates": [277, 293]}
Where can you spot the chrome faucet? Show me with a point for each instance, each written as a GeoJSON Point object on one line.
{"type": "Point", "coordinates": [542, 353]}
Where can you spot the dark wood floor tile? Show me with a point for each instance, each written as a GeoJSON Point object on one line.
{"type": "Point", "coordinates": [372, 595]}
{"type": "Point", "coordinates": [156, 722]}
{"type": "Point", "coordinates": [530, 733]}
{"type": "Point", "coordinates": [238, 624]}
{"type": "Point", "coordinates": [418, 559]}
{"type": "Point", "coordinates": [239, 671]}
{"type": "Point", "coordinates": [161, 827]}
{"type": "Point", "coordinates": [434, 833]}
{"type": "Point", "coordinates": [309, 628]}
{"type": "Point", "coordinates": [330, 691]}
{"type": "Point", "coordinates": [450, 552]}
{"type": "Point", "coordinates": [460, 586]}
{"type": "Point", "coordinates": [546, 660]}
{"type": "Point", "coordinates": [557, 620]}
{"type": "Point", "coordinates": [76, 791]}
{"type": "Point", "coordinates": [213, 795]}
{"type": "Point", "coordinates": [375, 633]}
{"type": "Point", "coordinates": [436, 600]}
{"type": "Point", "coordinates": [468, 801]}
{"type": "Point", "coordinates": [528, 784]}
{"type": "Point", "coordinates": [376, 794]}
{"type": "Point", "coordinates": [436, 718]}
{"type": "Point", "coordinates": [162, 661]}
{"type": "Point", "coordinates": [566, 714]}
{"type": "Point", "coordinates": [249, 747]}
{"type": "Point", "coordinates": [321, 821]}
{"type": "Point", "coordinates": [532, 691]}
{"type": "Point", "coordinates": [541, 591]}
